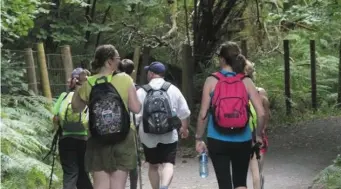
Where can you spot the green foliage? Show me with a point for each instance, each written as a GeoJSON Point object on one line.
{"type": "Point", "coordinates": [18, 16]}
{"type": "Point", "coordinates": [329, 178]}
{"type": "Point", "coordinates": [308, 20]}
{"type": "Point", "coordinates": [12, 73]}
{"type": "Point", "coordinates": [26, 129]}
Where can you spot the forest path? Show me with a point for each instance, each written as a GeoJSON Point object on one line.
{"type": "Point", "coordinates": [296, 154]}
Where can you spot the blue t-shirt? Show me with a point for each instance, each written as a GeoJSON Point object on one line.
{"type": "Point", "coordinates": [243, 136]}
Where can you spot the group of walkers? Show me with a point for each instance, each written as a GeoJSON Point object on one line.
{"type": "Point", "coordinates": [102, 116]}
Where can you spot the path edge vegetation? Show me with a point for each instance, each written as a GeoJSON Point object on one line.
{"type": "Point", "coordinates": [263, 25]}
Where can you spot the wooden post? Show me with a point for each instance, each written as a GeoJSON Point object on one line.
{"type": "Point", "coordinates": [339, 92]}
{"type": "Point", "coordinates": [136, 59]}
{"type": "Point", "coordinates": [31, 71]}
{"type": "Point", "coordinates": [67, 61]}
{"type": "Point", "coordinates": [313, 75]}
{"type": "Point", "coordinates": [244, 48]}
{"type": "Point", "coordinates": [287, 76]}
{"type": "Point", "coordinates": [187, 74]}
{"type": "Point", "coordinates": [43, 71]}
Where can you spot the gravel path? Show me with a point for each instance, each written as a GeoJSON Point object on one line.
{"type": "Point", "coordinates": [296, 154]}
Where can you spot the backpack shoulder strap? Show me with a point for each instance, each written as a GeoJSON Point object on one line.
{"type": "Point", "coordinates": [165, 86]}
{"type": "Point", "coordinates": [65, 96]}
{"type": "Point", "coordinates": [216, 75]}
{"type": "Point", "coordinates": [137, 86]}
{"type": "Point", "coordinates": [146, 87]}
{"type": "Point", "coordinates": [104, 79]}
{"type": "Point", "coordinates": [241, 76]}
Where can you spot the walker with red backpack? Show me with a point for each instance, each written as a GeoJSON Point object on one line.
{"type": "Point", "coordinates": [231, 110]}
{"type": "Point", "coordinates": [230, 107]}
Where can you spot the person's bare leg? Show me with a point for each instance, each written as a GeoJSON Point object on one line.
{"type": "Point", "coordinates": [154, 176]}
{"type": "Point", "coordinates": [255, 172]}
{"type": "Point", "coordinates": [101, 180]}
{"type": "Point", "coordinates": [167, 174]}
{"type": "Point", "coordinates": [262, 168]}
{"type": "Point", "coordinates": [118, 179]}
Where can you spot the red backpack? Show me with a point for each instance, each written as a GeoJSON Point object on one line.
{"type": "Point", "coordinates": [230, 107]}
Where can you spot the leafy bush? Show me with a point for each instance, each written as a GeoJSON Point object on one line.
{"type": "Point", "coordinates": [26, 130]}
{"type": "Point", "coordinates": [330, 177]}
{"type": "Point", "coordinates": [312, 20]}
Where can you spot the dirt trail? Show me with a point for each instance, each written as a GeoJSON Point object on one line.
{"type": "Point", "coordinates": [296, 154]}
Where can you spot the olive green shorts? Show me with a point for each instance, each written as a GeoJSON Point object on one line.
{"type": "Point", "coordinates": [109, 158]}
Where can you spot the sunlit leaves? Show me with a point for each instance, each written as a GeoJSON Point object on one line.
{"type": "Point", "coordinates": [81, 3]}
{"type": "Point", "coordinates": [18, 16]}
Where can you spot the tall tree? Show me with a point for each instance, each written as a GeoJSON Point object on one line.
{"type": "Point", "coordinates": [211, 21]}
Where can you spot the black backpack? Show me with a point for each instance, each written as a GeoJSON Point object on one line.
{"type": "Point", "coordinates": [157, 110]}
{"type": "Point", "coordinates": [109, 120]}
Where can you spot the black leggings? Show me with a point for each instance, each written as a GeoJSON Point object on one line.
{"type": "Point", "coordinates": [222, 154]}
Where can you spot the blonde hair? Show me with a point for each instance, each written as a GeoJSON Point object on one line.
{"type": "Point", "coordinates": [249, 68]}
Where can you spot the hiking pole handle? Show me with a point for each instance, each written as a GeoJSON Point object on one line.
{"type": "Point", "coordinates": [257, 149]}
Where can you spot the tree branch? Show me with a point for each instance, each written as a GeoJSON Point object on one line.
{"type": "Point", "coordinates": [148, 40]}
{"type": "Point", "coordinates": [90, 20]}
{"type": "Point", "coordinates": [103, 21]}
{"type": "Point", "coordinates": [173, 16]}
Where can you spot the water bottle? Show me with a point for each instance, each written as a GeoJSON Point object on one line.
{"type": "Point", "coordinates": [203, 165]}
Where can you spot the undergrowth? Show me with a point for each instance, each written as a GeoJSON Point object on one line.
{"type": "Point", "coordinates": [26, 134]}
{"type": "Point", "coordinates": [330, 177]}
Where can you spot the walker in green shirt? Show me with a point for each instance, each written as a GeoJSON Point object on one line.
{"type": "Point", "coordinates": [72, 123]}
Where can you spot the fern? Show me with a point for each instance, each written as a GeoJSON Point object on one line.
{"type": "Point", "coordinates": [26, 129]}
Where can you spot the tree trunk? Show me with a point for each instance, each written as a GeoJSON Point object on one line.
{"type": "Point", "coordinates": [103, 21]}
{"type": "Point", "coordinates": [210, 26]}
{"type": "Point", "coordinates": [145, 62]}
{"type": "Point", "coordinates": [187, 74]}
{"type": "Point", "coordinates": [90, 19]}
{"type": "Point", "coordinates": [136, 59]}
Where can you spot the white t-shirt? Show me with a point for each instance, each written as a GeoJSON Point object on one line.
{"type": "Point", "coordinates": [178, 105]}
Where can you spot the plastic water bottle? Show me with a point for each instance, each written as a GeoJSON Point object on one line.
{"type": "Point", "coordinates": [203, 165]}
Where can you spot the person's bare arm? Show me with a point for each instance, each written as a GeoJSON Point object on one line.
{"type": "Point", "coordinates": [141, 94]}
{"type": "Point", "coordinates": [77, 103]}
{"type": "Point", "coordinates": [257, 103]}
{"type": "Point", "coordinates": [183, 111]}
{"type": "Point", "coordinates": [205, 105]}
{"type": "Point", "coordinates": [134, 104]}
{"type": "Point", "coordinates": [266, 105]}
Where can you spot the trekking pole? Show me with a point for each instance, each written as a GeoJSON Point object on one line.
{"type": "Point", "coordinates": [53, 152]}
{"type": "Point", "coordinates": [139, 160]}
{"type": "Point", "coordinates": [137, 141]}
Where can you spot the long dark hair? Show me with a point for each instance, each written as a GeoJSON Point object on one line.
{"type": "Point", "coordinates": [231, 52]}
{"type": "Point", "coordinates": [102, 54]}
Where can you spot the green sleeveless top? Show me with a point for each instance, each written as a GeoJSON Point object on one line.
{"type": "Point", "coordinates": [253, 117]}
